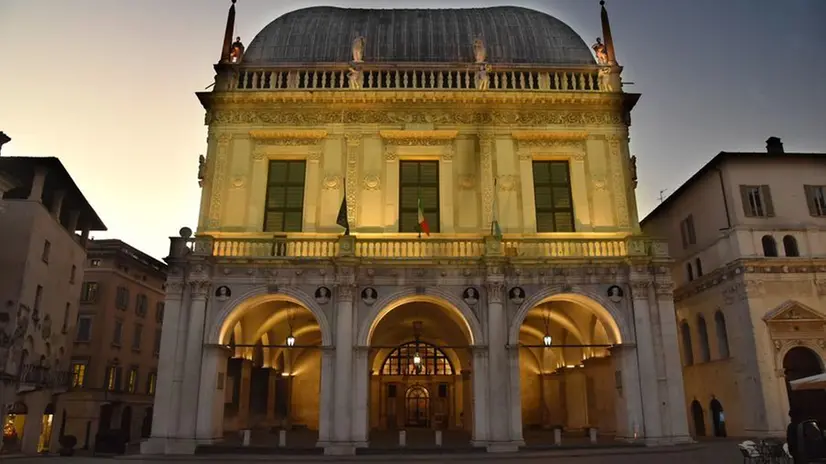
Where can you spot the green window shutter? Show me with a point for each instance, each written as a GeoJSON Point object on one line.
{"type": "Point", "coordinates": [284, 209]}
{"type": "Point", "coordinates": [744, 197]}
{"type": "Point", "coordinates": [811, 199]}
{"type": "Point", "coordinates": [768, 205]}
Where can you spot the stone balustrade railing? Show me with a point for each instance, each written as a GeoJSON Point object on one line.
{"type": "Point", "coordinates": [415, 248]}
{"type": "Point", "coordinates": [376, 78]}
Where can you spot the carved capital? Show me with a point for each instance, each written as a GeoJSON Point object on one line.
{"type": "Point", "coordinates": [447, 154]}
{"type": "Point", "coordinates": [496, 291]}
{"type": "Point", "coordinates": [640, 288]}
{"type": "Point", "coordinates": [199, 288]}
{"type": "Point", "coordinates": [664, 289]}
{"type": "Point", "coordinates": [346, 291]}
{"type": "Point", "coordinates": [314, 154]}
{"type": "Point", "coordinates": [353, 139]}
{"type": "Point", "coordinates": [174, 288]}
{"type": "Point", "coordinates": [525, 155]}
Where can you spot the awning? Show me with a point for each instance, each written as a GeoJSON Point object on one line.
{"type": "Point", "coordinates": [815, 382]}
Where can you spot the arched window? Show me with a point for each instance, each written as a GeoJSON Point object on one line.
{"type": "Point", "coordinates": [702, 330]}
{"type": "Point", "coordinates": [722, 334]}
{"type": "Point", "coordinates": [769, 246]}
{"type": "Point", "coordinates": [790, 246]}
{"type": "Point", "coordinates": [689, 273]}
{"type": "Point", "coordinates": [432, 360]}
{"type": "Point", "coordinates": [688, 351]}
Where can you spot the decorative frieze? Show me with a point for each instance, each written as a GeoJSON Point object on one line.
{"type": "Point", "coordinates": [217, 185]}
{"type": "Point", "coordinates": [419, 137]}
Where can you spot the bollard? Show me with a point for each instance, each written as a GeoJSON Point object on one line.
{"type": "Point", "coordinates": [282, 438]}
{"type": "Point", "coordinates": [558, 437]}
{"type": "Point", "coordinates": [438, 438]}
{"type": "Point", "coordinates": [592, 432]}
{"type": "Point", "coordinates": [246, 437]}
{"type": "Point", "coordinates": [402, 438]}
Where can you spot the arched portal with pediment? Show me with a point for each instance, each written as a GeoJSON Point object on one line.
{"type": "Point", "coordinates": [417, 352]}
{"type": "Point", "coordinates": [570, 348]}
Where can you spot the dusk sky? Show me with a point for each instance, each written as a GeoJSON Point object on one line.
{"type": "Point", "coordinates": [108, 87]}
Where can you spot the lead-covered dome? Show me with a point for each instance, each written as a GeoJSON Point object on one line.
{"type": "Point", "coordinates": [326, 34]}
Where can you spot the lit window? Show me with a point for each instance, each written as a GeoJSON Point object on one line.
{"type": "Point", "coordinates": [417, 358]}
{"type": "Point", "coordinates": [150, 385]}
{"type": "Point", "coordinates": [133, 380]}
{"type": "Point", "coordinates": [78, 373]}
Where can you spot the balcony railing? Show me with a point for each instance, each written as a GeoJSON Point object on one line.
{"type": "Point", "coordinates": [414, 249]}
{"type": "Point", "coordinates": [375, 77]}
{"type": "Point", "coordinates": [33, 376]}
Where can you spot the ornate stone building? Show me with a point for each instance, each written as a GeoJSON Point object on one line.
{"type": "Point", "coordinates": [494, 283]}
{"type": "Point", "coordinates": [748, 234]}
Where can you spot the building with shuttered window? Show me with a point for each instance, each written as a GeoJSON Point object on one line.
{"type": "Point", "coordinates": [748, 235]}
{"type": "Point", "coordinates": [420, 221]}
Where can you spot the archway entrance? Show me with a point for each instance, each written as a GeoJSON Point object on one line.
{"type": "Point", "coordinates": [420, 375]}
{"type": "Point", "coordinates": [698, 416]}
{"type": "Point", "coordinates": [273, 374]}
{"type": "Point", "coordinates": [798, 363]}
{"type": "Point", "coordinates": [718, 419]}
{"type": "Point", "coordinates": [568, 378]}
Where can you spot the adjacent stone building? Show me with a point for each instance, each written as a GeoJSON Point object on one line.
{"type": "Point", "coordinates": [418, 220]}
{"type": "Point", "coordinates": [748, 235]}
{"type": "Point", "coordinates": [116, 345]}
{"type": "Point", "coordinates": [44, 225]}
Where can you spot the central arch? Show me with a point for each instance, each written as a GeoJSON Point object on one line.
{"type": "Point", "coordinates": [417, 361]}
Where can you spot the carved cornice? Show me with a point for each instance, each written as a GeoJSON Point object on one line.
{"type": "Point", "coordinates": [482, 116]}
{"type": "Point", "coordinates": [419, 137]}
{"type": "Point", "coordinates": [754, 268]}
{"type": "Point", "coordinates": [288, 137]}
{"type": "Point", "coordinates": [559, 136]}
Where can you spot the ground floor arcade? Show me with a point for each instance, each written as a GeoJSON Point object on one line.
{"type": "Point", "coordinates": [497, 373]}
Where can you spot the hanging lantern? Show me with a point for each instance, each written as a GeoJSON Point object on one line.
{"type": "Point", "coordinates": [417, 360]}
{"type": "Point", "coordinates": [547, 340]}
{"type": "Point", "coordinates": [290, 340]}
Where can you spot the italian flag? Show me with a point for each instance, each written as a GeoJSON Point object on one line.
{"type": "Point", "coordinates": [423, 227]}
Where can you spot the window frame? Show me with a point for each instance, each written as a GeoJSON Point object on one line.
{"type": "Point", "coordinates": [89, 318]}
{"type": "Point", "coordinates": [553, 210]}
{"type": "Point", "coordinates": [89, 292]}
{"type": "Point", "coordinates": [79, 377]}
{"type": "Point", "coordinates": [117, 335]}
{"type": "Point", "coordinates": [762, 193]}
{"type": "Point", "coordinates": [816, 200]}
{"type": "Point", "coordinates": [435, 226]}
{"type": "Point", "coordinates": [400, 359]}
{"type": "Point", "coordinates": [287, 183]}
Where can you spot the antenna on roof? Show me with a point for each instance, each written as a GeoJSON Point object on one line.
{"type": "Point", "coordinates": [662, 197]}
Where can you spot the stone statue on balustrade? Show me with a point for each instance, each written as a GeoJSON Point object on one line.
{"type": "Point", "coordinates": [483, 77]}
{"type": "Point", "coordinates": [201, 170]}
{"type": "Point", "coordinates": [358, 49]}
{"type": "Point", "coordinates": [601, 51]}
{"type": "Point", "coordinates": [355, 78]}
{"type": "Point", "coordinates": [633, 167]}
{"type": "Point", "coordinates": [237, 52]}
{"type": "Point", "coordinates": [480, 53]}
{"type": "Point", "coordinates": [606, 80]}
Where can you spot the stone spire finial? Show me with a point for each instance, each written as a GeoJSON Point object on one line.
{"type": "Point", "coordinates": [226, 51]}
{"type": "Point", "coordinates": [4, 139]}
{"type": "Point", "coordinates": [606, 34]}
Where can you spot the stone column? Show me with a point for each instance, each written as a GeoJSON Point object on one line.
{"type": "Point", "coordinates": [675, 413]}
{"type": "Point", "coordinates": [628, 404]}
{"type": "Point", "coordinates": [515, 396]}
{"type": "Point", "coordinates": [446, 184]}
{"type": "Point", "coordinates": [391, 188]}
{"type": "Point", "coordinates": [272, 380]}
{"type": "Point", "coordinates": [188, 412]}
{"type": "Point", "coordinates": [579, 193]}
{"type": "Point", "coordinates": [481, 416]}
{"type": "Point", "coordinates": [313, 178]}
{"type": "Point", "coordinates": [170, 369]}
{"type": "Point", "coordinates": [361, 398]}
{"type": "Point", "coordinates": [343, 393]}
{"type": "Point", "coordinates": [466, 412]}
{"type": "Point", "coordinates": [243, 417]}
{"type": "Point", "coordinates": [210, 424]}
{"type": "Point", "coordinates": [528, 194]}
{"type": "Point", "coordinates": [647, 362]}
{"type": "Point", "coordinates": [325, 419]}
{"type": "Point", "coordinates": [499, 403]}
{"type": "Point", "coordinates": [38, 182]}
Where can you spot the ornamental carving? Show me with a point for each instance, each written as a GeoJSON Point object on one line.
{"type": "Point", "coordinates": [351, 181]}
{"type": "Point", "coordinates": [618, 179]}
{"type": "Point", "coordinates": [639, 289]}
{"type": "Point", "coordinates": [486, 149]}
{"type": "Point", "coordinates": [199, 288]}
{"type": "Point", "coordinates": [664, 289]}
{"type": "Point", "coordinates": [371, 182]}
{"type": "Point", "coordinates": [217, 184]}
{"type": "Point", "coordinates": [495, 291]}
{"type": "Point", "coordinates": [557, 136]}
{"type": "Point", "coordinates": [331, 182]}
{"type": "Point", "coordinates": [238, 182]}
{"type": "Point", "coordinates": [419, 137]}
{"type": "Point", "coordinates": [507, 183]}
{"type": "Point", "coordinates": [457, 117]}
{"type": "Point", "coordinates": [467, 182]}
{"type": "Point", "coordinates": [288, 137]}
{"type": "Point", "coordinates": [174, 288]}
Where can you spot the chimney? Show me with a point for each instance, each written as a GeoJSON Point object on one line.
{"type": "Point", "coordinates": [4, 139]}
{"type": "Point", "coordinates": [774, 146]}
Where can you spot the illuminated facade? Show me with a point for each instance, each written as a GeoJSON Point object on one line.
{"type": "Point", "coordinates": [533, 303]}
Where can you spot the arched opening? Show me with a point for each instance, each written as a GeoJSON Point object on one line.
{"type": "Point", "coordinates": [718, 418]}
{"type": "Point", "coordinates": [420, 372]}
{"type": "Point", "coordinates": [273, 370]}
{"type": "Point", "coordinates": [769, 246]}
{"type": "Point", "coordinates": [722, 334]}
{"type": "Point", "coordinates": [798, 363]}
{"type": "Point", "coordinates": [702, 331]}
{"type": "Point", "coordinates": [567, 374]}
{"type": "Point", "coordinates": [790, 246]}
{"type": "Point", "coordinates": [126, 423]}
{"type": "Point", "coordinates": [13, 424]}
{"type": "Point", "coordinates": [698, 417]}
{"type": "Point", "coordinates": [104, 418]}
{"type": "Point", "coordinates": [46, 429]}
{"type": "Point", "coordinates": [688, 349]}
{"type": "Point", "coordinates": [146, 423]}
